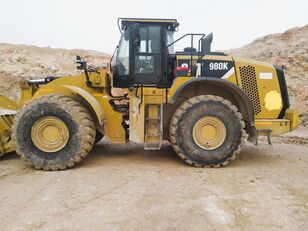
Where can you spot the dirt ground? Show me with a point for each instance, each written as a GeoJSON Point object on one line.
{"type": "Point", "coordinates": [123, 187]}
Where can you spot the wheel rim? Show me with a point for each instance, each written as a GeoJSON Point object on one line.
{"type": "Point", "coordinates": [49, 134]}
{"type": "Point", "coordinates": [209, 133]}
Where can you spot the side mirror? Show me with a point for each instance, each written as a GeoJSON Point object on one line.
{"type": "Point", "coordinates": [136, 34]}
{"type": "Point", "coordinates": [81, 65]}
{"type": "Point", "coordinates": [206, 44]}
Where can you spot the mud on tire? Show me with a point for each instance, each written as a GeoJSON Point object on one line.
{"type": "Point", "coordinates": [74, 115]}
{"type": "Point", "coordinates": [186, 116]}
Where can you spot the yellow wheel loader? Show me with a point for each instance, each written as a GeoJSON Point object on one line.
{"type": "Point", "coordinates": [206, 104]}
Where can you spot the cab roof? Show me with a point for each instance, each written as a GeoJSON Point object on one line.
{"type": "Point", "coordinates": [128, 21]}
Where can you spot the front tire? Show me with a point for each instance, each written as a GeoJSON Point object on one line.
{"type": "Point", "coordinates": [53, 132]}
{"type": "Point", "coordinates": [207, 131]}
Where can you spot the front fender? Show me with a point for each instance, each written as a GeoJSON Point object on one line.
{"type": "Point", "coordinates": [76, 93]}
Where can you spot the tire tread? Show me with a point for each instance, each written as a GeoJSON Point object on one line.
{"type": "Point", "coordinates": [183, 109]}
{"type": "Point", "coordinates": [80, 114]}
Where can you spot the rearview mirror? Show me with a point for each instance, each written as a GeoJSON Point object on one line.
{"type": "Point", "coordinates": [80, 63]}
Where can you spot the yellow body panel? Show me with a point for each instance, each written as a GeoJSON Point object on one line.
{"type": "Point", "coordinates": [9, 104]}
{"type": "Point", "coordinates": [137, 110]}
{"type": "Point", "coordinates": [98, 80]}
{"type": "Point", "coordinates": [292, 115]}
{"type": "Point", "coordinates": [267, 88]}
{"type": "Point", "coordinates": [277, 126]}
{"type": "Point", "coordinates": [136, 117]}
{"type": "Point", "coordinates": [27, 92]}
{"type": "Point", "coordinates": [177, 83]}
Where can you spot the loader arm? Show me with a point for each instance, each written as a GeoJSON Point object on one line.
{"type": "Point", "coordinates": [8, 109]}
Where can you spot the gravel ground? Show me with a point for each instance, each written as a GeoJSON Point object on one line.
{"type": "Point", "coordinates": [123, 187]}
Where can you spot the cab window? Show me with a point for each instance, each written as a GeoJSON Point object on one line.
{"type": "Point", "coordinates": [147, 59]}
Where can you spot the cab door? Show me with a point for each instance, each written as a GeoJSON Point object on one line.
{"type": "Point", "coordinates": [148, 56]}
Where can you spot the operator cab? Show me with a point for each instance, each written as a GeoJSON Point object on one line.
{"type": "Point", "coordinates": [143, 53]}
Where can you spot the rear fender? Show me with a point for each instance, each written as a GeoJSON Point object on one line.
{"type": "Point", "coordinates": [219, 87]}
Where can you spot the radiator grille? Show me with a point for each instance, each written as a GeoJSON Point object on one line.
{"type": "Point", "coordinates": [250, 86]}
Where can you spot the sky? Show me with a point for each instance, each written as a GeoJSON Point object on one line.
{"type": "Point", "coordinates": [92, 24]}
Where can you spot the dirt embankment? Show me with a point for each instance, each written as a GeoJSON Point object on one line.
{"type": "Point", "coordinates": [24, 62]}
{"type": "Point", "coordinates": [288, 49]}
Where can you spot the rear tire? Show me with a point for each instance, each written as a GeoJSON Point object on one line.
{"type": "Point", "coordinates": [207, 131]}
{"type": "Point", "coordinates": [42, 124]}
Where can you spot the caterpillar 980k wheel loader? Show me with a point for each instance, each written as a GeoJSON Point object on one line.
{"type": "Point", "coordinates": [206, 104]}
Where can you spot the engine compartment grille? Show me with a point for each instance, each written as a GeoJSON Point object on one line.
{"type": "Point", "coordinates": [250, 86]}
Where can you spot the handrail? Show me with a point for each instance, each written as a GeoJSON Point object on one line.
{"type": "Point", "coordinates": [189, 34]}
{"type": "Point", "coordinates": [191, 44]}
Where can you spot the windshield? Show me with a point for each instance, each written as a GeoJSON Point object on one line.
{"type": "Point", "coordinates": [122, 57]}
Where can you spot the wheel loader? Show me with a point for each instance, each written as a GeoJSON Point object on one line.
{"type": "Point", "coordinates": [206, 104]}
